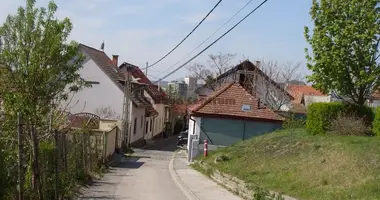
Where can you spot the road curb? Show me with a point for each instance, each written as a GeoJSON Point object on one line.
{"type": "Point", "coordinates": [179, 183]}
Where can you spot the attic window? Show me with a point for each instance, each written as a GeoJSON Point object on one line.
{"type": "Point", "coordinates": [246, 108]}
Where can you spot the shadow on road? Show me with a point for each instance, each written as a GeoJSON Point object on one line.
{"type": "Point", "coordinates": [167, 144]}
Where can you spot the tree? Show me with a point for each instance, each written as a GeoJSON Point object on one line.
{"type": "Point", "coordinates": [39, 70]}
{"type": "Point", "coordinates": [107, 113]}
{"type": "Point", "coordinates": [218, 64]}
{"type": "Point", "coordinates": [345, 43]}
{"type": "Point", "coordinates": [271, 90]}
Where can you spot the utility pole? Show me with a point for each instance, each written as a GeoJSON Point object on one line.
{"type": "Point", "coordinates": [125, 118]}
{"type": "Point", "coordinates": [146, 69]}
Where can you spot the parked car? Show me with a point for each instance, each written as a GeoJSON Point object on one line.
{"type": "Point", "coordinates": [182, 138]}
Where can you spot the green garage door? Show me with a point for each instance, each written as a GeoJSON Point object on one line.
{"type": "Point", "coordinates": [256, 128]}
{"type": "Point", "coordinates": [228, 131]}
{"type": "Point", "coordinates": [221, 131]}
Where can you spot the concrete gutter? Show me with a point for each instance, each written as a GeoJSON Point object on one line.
{"type": "Point", "coordinates": [179, 183]}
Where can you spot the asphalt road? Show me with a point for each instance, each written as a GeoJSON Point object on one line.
{"type": "Point", "coordinates": [145, 176]}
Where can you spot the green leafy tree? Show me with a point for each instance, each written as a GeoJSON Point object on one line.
{"type": "Point", "coordinates": [344, 43]}
{"type": "Point", "coordinates": [39, 68]}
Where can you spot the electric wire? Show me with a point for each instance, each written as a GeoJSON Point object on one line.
{"type": "Point", "coordinates": [216, 5]}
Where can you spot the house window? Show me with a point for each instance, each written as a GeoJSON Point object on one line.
{"type": "Point", "coordinates": [151, 123]}
{"type": "Point", "coordinates": [134, 126]}
{"type": "Point", "coordinates": [146, 127]}
{"type": "Point", "coordinates": [142, 122]}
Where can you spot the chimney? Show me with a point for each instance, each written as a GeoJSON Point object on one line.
{"type": "Point", "coordinates": [258, 63]}
{"type": "Point", "coordinates": [258, 103]}
{"type": "Point", "coordinates": [115, 59]}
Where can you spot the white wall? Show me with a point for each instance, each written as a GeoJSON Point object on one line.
{"type": "Point", "coordinates": [158, 122]}
{"type": "Point", "coordinates": [374, 103]}
{"type": "Point", "coordinates": [160, 119]}
{"type": "Point", "coordinates": [309, 99]}
{"type": "Point", "coordinates": [106, 93]}
{"type": "Point", "coordinates": [194, 129]}
{"type": "Point", "coordinates": [139, 115]}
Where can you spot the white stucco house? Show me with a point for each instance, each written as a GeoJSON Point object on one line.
{"type": "Point", "coordinates": [108, 91]}
{"type": "Point", "coordinates": [304, 95]}
{"type": "Point", "coordinates": [155, 124]}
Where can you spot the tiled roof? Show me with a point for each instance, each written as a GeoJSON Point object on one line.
{"type": "Point", "coordinates": [111, 70]}
{"type": "Point", "coordinates": [376, 95]}
{"type": "Point", "coordinates": [180, 108]}
{"type": "Point", "coordinates": [150, 111]}
{"type": "Point", "coordinates": [229, 100]}
{"type": "Point", "coordinates": [158, 96]}
{"type": "Point", "coordinates": [299, 91]}
{"type": "Point", "coordinates": [305, 89]}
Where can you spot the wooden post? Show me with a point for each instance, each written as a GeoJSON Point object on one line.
{"type": "Point", "coordinates": [20, 158]}
{"type": "Point", "coordinates": [64, 151]}
{"type": "Point", "coordinates": [83, 152]}
{"type": "Point", "coordinates": [56, 165]}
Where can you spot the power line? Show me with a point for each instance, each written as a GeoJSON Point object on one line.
{"type": "Point", "coordinates": [204, 41]}
{"type": "Point", "coordinates": [216, 5]}
{"type": "Point", "coordinates": [229, 30]}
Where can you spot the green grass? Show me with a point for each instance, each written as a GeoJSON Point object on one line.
{"type": "Point", "coordinates": [305, 166]}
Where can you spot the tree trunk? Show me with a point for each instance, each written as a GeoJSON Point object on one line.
{"type": "Point", "coordinates": [56, 170]}
{"type": "Point", "coordinates": [36, 169]}
{"type": "Point", "coordinates": [20, 159]}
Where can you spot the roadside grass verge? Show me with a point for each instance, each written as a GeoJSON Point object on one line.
{"type": "Point", "coordinates": [306, 166]}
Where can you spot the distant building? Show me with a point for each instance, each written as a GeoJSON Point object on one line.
{"type": "Point", "coordinates": [177, 89]}
{"type": "Point", "coordinates": [191, 86]}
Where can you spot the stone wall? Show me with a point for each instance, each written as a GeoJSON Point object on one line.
{"type": "Point", "coordinates": [234, 184]}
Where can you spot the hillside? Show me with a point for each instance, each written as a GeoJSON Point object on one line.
{"type": "Point", "coordinates": [305, 166]}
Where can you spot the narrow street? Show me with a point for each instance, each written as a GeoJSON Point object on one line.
{"type": "Point", "coordinates": [144, 176]}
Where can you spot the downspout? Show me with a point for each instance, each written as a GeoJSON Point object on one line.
{"type": "Point", "coordinates": [193, 124]}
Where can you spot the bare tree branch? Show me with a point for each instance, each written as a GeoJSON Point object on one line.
{"type": "Point", "coordinates": [107, 113]}
{"type": "Point", "coordinates": [271, 90]}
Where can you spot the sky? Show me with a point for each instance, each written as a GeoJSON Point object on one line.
{"type": "Point", "coordinates": [141, 31]}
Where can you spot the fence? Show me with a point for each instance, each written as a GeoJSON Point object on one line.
{"type": "Point", "coordinates": [69, 157]}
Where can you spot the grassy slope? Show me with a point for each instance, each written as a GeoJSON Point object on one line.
{"type": "Point", "coordinates": [307, 167]}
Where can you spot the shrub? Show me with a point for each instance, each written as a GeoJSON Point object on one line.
{"type": "Point", "coordinates": [292, 122]}
{"type": "Point", "coordinates": [349, 125]}
{"type": "Point", "coordinates": [320, 115]}
{"type": "Point", "coordinates": [376, 122]}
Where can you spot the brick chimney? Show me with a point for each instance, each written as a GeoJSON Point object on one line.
{"type": "Point", "coordinates": [115, 60]}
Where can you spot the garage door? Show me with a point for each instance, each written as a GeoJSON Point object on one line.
{"type": "Point", "coordinates": [221, 131]}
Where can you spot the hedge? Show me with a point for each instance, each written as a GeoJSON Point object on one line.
{"type": "Point", "coordinates": [376, 122]}
{"type": "Point", "coordinates": [320, 115]}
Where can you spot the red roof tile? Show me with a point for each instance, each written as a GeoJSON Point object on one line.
{"type": "Point", "coordinates": [229, 101]}
{"type": "Point", "coordinates": [180, 108]}
{"type": "Point", "coordinates": [376, 95]}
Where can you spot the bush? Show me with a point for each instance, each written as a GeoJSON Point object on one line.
{"type": "Point", "coordinates": [349, 126]}
{"type": "Point", "coordinates": [293, 123]}
{"type": "Point", "coordinates": [376, 122]}
{"type": "Point", "coordinates": [321, 115]}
